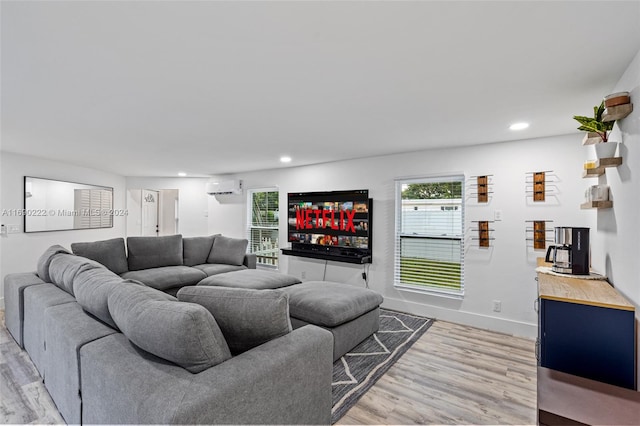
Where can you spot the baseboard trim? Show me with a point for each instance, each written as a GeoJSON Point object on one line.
{"type": "Point", "coordinates": [501, 325]}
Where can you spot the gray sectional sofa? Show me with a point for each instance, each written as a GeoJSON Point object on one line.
{"type": "Point", "coordinates": [170, 262]}
{"type": "Point", "coordinates": [113, 346]}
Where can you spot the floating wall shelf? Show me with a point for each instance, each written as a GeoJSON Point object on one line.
{"type": "Point", "coordinates": [591, 138]}
{"type": "Point", "coordinates": [615, 109]}
{"type": "Point", "coordinates": [617, 112]}
{"type": "Point", "coordinates": [609, 162]}
{"type": "Point", "coordinates": [597, 205]}
{"type": "Point", "coordinates": [601, 165]}
{"type": "Point", "coordinates": [594, 172]}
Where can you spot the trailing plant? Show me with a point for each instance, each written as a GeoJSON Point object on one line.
{"type": "Point", "coordinates": [595, 124]}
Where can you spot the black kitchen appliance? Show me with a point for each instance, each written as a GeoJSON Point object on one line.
{"type": "Point", "coordinates": [570, 253]}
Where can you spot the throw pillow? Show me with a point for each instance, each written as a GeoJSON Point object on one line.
{"type": "Point", "coordinates": [183, 333]}
{"type": "Point", "coordinates": [111, 253]}
{"type": "Point", "coordinates": [247, 318]}
{"type": "Point", "coordinates": [196, 249]}
{"type": "Point", "coordinates": [228, 251]}
{"type": "Point", "coordinates": [45, 260]}
{"type": "Point", "coordinates": [154, 252]}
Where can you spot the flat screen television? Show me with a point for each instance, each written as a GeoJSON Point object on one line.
{"type": "Point", "coordinates": [333, 225]}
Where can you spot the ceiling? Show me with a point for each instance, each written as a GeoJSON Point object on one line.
{"type": "Point", "coordinates": [153, 88]}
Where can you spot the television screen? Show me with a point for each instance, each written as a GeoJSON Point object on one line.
{"type": "Point", "coordinates": [330, 224]}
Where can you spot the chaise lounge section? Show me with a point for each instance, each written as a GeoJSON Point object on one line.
{"type": "Point", "coordinates": [350, 313]}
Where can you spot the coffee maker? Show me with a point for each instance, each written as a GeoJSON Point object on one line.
{"type": "Point", "coordinates": [570, 253]}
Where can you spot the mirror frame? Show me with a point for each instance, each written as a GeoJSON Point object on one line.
{"type": "Point", "coordinates": [90, 217]}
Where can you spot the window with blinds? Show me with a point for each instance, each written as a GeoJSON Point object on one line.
{"type": "Point", "coordinates": [94, 206]}
{"type": "Point", "coordinates": [429, 252]}
{"type": "Point", "coordinates": [263, 226]}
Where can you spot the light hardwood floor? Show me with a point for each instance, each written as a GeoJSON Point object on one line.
{"type": "Point", "coordinates": [453, 375]}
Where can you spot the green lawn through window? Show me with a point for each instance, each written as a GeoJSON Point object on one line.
{"type": "Point", "coordinates": [429, 272]}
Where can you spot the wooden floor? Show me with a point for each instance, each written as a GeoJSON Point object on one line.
{"type": "Point", "coordinates": [453, 375]}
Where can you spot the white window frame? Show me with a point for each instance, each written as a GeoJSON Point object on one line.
{"type": "Point", "coordinates": [418, 288]}
{"type": "Point", "coordinates": [250, 193]}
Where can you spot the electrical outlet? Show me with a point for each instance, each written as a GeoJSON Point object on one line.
{"type": "Point", "coordinates": [303, 275]}
{"type": "Point", "coordinates": [497, 215]}
{"type": "Point", "coordinates": [497, 306]}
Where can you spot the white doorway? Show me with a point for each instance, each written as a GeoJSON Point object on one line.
{"type": "Point", "coordinates": [152, 212]}
{"type": "Point", "coordinates": [150, 225]}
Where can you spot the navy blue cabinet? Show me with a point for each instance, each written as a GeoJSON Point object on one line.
{"type": "Point", "coordinates": [586, 329]}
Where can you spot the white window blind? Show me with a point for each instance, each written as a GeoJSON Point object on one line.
{"type": "Point", "coordinates": [263, 223]}
{"type": "Point", "coordinates": [94, 206]}
{"type": "Point", "coordinates": [429, 252]}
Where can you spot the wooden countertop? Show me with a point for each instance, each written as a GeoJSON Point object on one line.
{"type": "Point", "coordinates": [586, 292]}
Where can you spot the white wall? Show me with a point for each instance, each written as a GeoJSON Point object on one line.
{"type": "Point", "coordinates": [505, 272]}
{"type": "Point", "coordinates": [227, 213]}
{"type": "Point", "coordinates": [192, 204]}
{"type": "Point", "coordinates": [20, 252]}
{"type": "Point", "coordinates": [617, 242]}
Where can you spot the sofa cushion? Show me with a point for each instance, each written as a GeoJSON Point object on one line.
{"type": "Point", "coordinates": [227, 250]}
{"type": "Point", "coordinates": [167, 276]}
{"type": "Point", "coordinates": [214, 269]}
{"type": "Point", "coordinates": [258, 279]}
{"type": "Point", "coordinates": [196, 250]}
{"type": "Point", "coordinates": [37, 299]}
{"type": "Point", "coordinates": [67, 328]}
{"type": "Point", "coordinates": [183, 333]}
{"type": "Point", "coordinates": [154, 252]}
{"type": "Point", "coordinates": [330, 304]}
{"type": "Point", "coordinates": [92, 288]}
{"type": "Point", "coordinates": [247, 318]}
{"type": "Point", "coordinates": [45, 260]}
{"type": "Point", "coordinates": [14, 286]}
{"type": "Point", "coordinates": [110, 253]}
{"type": "Point", "coordinates": [63, 269]}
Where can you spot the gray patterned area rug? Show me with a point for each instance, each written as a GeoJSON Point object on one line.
{"type": "Point", "coordinates": [358, 370]}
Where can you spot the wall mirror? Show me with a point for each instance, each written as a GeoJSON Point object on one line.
{"type": "Point", "coordinates": [54, 205]}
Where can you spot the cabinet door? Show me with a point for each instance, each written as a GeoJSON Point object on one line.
{"type": "Point", "coordinates": [588, 341]}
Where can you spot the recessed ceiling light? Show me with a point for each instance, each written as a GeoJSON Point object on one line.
{"type": "Point", "coordinates": [285, 159]}
{"type": "Point", "coordinates": [518, 126]}
{"type": "Point", "coordinates": [182, 174]}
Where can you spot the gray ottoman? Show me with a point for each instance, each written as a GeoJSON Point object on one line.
{"type": "Point", "coordinates": [257, 279]}
{"type": "Point", "coordinates": [351, 313]}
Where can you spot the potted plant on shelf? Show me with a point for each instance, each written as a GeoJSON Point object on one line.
{"type": "Point", "coordinates": [598, 128]}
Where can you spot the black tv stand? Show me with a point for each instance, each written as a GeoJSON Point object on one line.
{"type": "Point", "coordinates": [347, 257]}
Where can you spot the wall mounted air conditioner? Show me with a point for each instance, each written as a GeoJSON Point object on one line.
{"type": "Point", "coordinates": [225, 187]}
